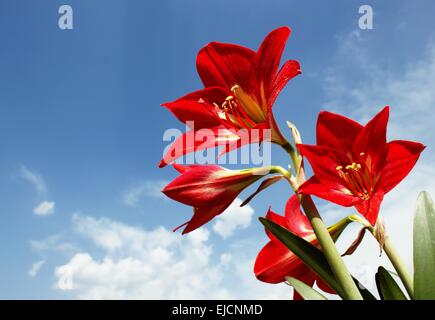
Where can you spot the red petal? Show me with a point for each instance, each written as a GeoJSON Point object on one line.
{"type": "Point", "coordinates": [330, 192]}
{"type": "Point", "coordinates": [269, 56]}
{"type": "Point", "coordinates": [370, 208]}
{"type": "Point", "coordinates": [372, 141]}
{"type": "Point", "coordinates": [189, 107]}
{"type": "Point", "coordinates": [203, 215]}
{"type": "Point", "coordinates": [278, 219]}
{"type": "Point", "coordinates": [275, 261]}
{"type": "Point", "coordinates": [192, 141]}
{"type": "Point", "coordinates": [402, 156]}
{"type": "Point", "coordinates": [336, 131]}
{"type": "Point", "coordinates": [225, 65]}
{"type": "Point", "coordinates": [288, 71]}
{"type": "Point", "coordinates": [296, 220]}
{"type": "Point", "coordinates": [324, 162]}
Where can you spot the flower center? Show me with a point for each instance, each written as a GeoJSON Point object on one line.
{"type": "Point", "coordinates": [358, 178]}
{"type": "Point", "coordinates": [240, 109]}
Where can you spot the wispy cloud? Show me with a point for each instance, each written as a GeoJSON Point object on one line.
{"type": "Point", "coordinates": [45, 208]}
{"type": "Point", "coordinates": [36, 267]}
{"type": "Point", "coordinates": [138, 191]}
{"type": "Point", "coordinates": [35, 179]}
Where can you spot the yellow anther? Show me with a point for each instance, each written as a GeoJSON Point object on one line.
{"type": "Point", "coordinates": [361, 154]}
{"type": "Point", "coordinates": [339, 168]}
{"type": "Point", "coordinates": [229, 98]}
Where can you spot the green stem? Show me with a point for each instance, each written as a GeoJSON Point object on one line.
{"type": "Point", "coordinates": [400, 266]}
{"type": "Point", "coordinates": [288, 147]}
{"type": "Point", "coordinates": [330, 251]}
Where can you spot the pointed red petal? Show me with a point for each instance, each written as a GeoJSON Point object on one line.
{"type": "Point", "coordinates": [275, 261]}
{"type": "Point", "coordinates": [225, 65]}
{"type": "Point", "coordinates": [330, 192]}
{"type": "Point", "coordinates": [278, 219]}
{"type": "Point", "coordinates": [370, 208]}
{"type": "Point", "coordinates": [324, 162]}
{"type": "Point", "coordinates": [336, 131]}
{"type": "Point", "coordinates": [372, 141]}
{"type": "Point", "coordinates": [402, 156]}
{"type": "Point", "coordinates": [192, 141]}
{"type": "Point", "coordinates": [288, 71]}
{"type": "Point", "coordinates": [198, 107]}
{"type": "Point", "coordinates": [269, 56]}
{"type": "Point", "coordinates": [203, 215]}
{"type": "Point", "coordinates": [297, 222]}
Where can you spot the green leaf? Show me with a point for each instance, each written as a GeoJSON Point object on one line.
{"type": "Point", "coordinates": [366, 294]}
{"type": "Point", "coordinates": [387, 287]}
{"type": "Point", "coordinates": [305, 251]}
{"type": "Point", "coordinates": [311, 256]}
{"type": "Point", "coordinates": [305, 290]}
{"type": "Point", "coordinates": [424, 248]}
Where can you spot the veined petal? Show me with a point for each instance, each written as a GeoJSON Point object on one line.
{"type": "Point", "coordinates": [269, 56]}
{"type": "Point", "coordinates": [370, 208]}
{"type": "Point", "coordinates": [278, 219]}
{"type": "Point", "coordinates": [296, 221]}
{"type": "Point", "coordinates": [203, 215]}
{"type": "Point", "coordinates": [330, 192]}
{"type": "Point", "coordinates": [198, 140]}
{"type": "Point", "coordinates": [198, 107]}
{"type": "Point", "coordinates": [225, 65]}
{"type": "Point", "coordinates": [324, 162]}
{"type": "Point", "coordinates": [336, 131]}
{"type": "Point", "coordinates": [401, 158]}
{"type": "Point", "coordinates": [288, 71]}
{"type": "Point", "coordinates": [275, 261]}
{"type": "Point", "coordinates": [372, 141]}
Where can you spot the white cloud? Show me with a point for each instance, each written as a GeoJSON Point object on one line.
{"type": "Point", "coordinates": [138, 191]}
{"type": "Point", "coordinates": [35, 179]}
{"type": "Point", "coordinates": [234, 217]}
{"type": "Point", "coordinates": [36, 267]}
{"type": "Point", "coordinates": [44, 208]}
{"type": "Point", "coordinates": [133, 263]}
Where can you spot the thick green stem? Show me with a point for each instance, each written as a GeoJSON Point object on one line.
{"type": "Point", "coordinates": [350, 290]}
{"type": "Point", "coordinates": [330, 251]}
{"type": "Point", "coordinates": [400, 267]}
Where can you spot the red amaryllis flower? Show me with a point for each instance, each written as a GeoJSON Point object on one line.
{"type": "Point", "coordinates": [275, 261]}
{"type": "Point", "coordinates": [241, 86]}
{"type": "Point", "coordinates": [209, 189]}
{"type": "Point", "coordinates": [354, 165]}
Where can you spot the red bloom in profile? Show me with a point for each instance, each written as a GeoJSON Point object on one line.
{"type": "Point", "coordinates": [275, 261]}
{"type": "Point", "coordinates": [354, 165]}
{"type": "Point", "coordinates": [209, 189]}
{"type": "Point", "coordinates": [241, 86]}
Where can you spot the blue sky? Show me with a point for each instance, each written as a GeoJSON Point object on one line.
{"type": "Point", "coordinates": [81, 126]}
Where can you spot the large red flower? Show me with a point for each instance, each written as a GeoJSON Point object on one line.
{"type": "Point", "coordinates": [354, 165]}
{"type": "Point", "coordinates": [275, 261]}
{"type": "Point", "coordinates": [209, 189]}
{"type": "Point", "coordinates": [241, 86]}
